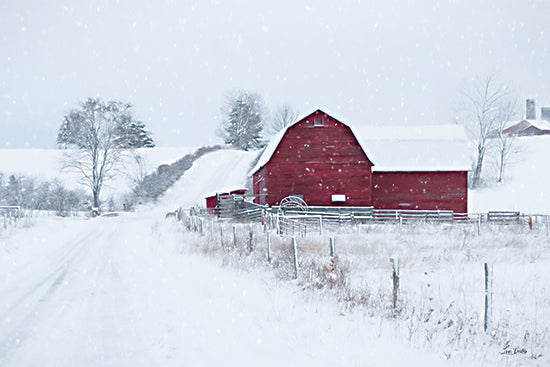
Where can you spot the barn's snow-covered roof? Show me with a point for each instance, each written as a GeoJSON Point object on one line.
{"type": "Point", "coordinates": [416, 148]}
{"type": "Point", "coordinates": [401, 148]}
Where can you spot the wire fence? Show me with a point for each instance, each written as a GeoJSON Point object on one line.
{"type": "Point", "coordinates": [426, 271]}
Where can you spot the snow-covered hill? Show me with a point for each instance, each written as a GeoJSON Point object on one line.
{"type": "Point", "coordinates": [215, 172]}
{"type": "Point", "coordinates": [526, 185]}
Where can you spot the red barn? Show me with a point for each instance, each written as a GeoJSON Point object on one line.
{"type": "Point", "coordinates": [329, 163]}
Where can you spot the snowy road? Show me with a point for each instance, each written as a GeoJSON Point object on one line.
{"type": "Point", "coordinates": [122, 292]}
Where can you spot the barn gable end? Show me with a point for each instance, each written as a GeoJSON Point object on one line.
{"type": "Point", "coordinates": [319, 159]}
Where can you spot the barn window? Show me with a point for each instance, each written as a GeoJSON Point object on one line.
{"type": "Point", "coordinates": [338, 198]}
{"type": "Point", "coordinates": [318, 121]}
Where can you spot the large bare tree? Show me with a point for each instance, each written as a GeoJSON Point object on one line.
{"type": "Point", "coordinates": [505, 143]}
{"type": "Point", "coordinates": [485, 108]}
{"type": "Point", "coordinates": [96, 136]}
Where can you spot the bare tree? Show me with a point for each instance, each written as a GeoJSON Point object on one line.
{"type": "Point", "coordinates": [243, 119]}
{"type": "Point", "coordinates": [505, 142]}
{"type": "Point", "coordinates": [485, 102]}
{"type": "Point", "coordinates": [283, 116]}
{"type": "Point", "coordinates": [99, 134]}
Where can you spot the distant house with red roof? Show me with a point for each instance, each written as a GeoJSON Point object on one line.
{"type": "Point", "coordinates": [531, 126]}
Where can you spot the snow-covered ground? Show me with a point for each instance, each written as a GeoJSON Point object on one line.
{"type": "Point", "coordinates": [137, 290]}
{"type": "Point", "coordinates": [526, 182]}
{"type": "Point", "coordinates": [124, 291]}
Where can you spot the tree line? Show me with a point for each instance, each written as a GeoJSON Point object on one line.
{"type": "Point", "coordinates": [30, 193]}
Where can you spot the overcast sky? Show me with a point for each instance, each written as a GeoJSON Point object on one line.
{"type": "Point", "coordinates": [369, 62]}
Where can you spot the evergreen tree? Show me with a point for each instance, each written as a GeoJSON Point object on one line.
{"type": "Point", "coordinates": [244, 117]}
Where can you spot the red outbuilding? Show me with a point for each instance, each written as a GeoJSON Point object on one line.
{"type": "Point", "coordinates": [329, 163]}
{"type": "Point", "coordinates": [530, 126]}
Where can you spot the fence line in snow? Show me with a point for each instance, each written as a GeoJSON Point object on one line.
{"type": "Point", "coordinates": [10, 214]}
{"type": "Point", "coordinates": [240, 236]}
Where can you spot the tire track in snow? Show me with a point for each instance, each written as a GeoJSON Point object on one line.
{"type": "Point", "coordinates": [18, 322]}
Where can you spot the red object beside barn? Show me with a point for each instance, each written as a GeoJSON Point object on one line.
{"type": "Point", "coordinates": [322, 160]}
{"type": "Point", "coordinates": [213, 201]}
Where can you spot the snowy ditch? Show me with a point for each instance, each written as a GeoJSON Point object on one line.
{"type": "Point", "coordinates": [441, 297]}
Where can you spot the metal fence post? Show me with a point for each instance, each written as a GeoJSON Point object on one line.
{"type": "Point", "coordinates": [488, 297]}
{"type": "Point", "coordinates": [295, 257]}
{"type": "Point", "coordinates": [479, 224]}
{"type": "Point", "coordinates": [268, 247]}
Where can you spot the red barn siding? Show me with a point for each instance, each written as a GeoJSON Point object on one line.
{"type": "Point", "coordinates": [316, 162]}
{"type": "Point", "coordinates": [211, 201]}
{"type": "Point", "coordinates": [421, 190]}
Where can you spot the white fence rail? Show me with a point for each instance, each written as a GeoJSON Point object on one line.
{"type": "Point", "coordinates": [293, 223]}
{"type": "Point", "coordinates": [9, 214]}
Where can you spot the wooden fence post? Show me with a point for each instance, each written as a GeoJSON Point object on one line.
{"type": "Point", "coordinates": [221, 236]}
{"type": "Point", "coordinates": [320, 224]}
{"type": "Point", "coordinates": [295, 257]}
{"type": "Point", "coordinates": [479, 225]}
{"type": "Point", "coordinates": [395, 281]}
{"type": "Point", "coordinates": [234, 236]}
{"type": "Point", "coordinates": [488, 297]}
{"type": "Point", "coordinates": [250, 235]}
{"type": "Point", "coordinates": [268, 248]}
{"type": "Point", "coordinates": [332, 247]}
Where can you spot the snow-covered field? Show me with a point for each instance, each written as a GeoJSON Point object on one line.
{"type": "Point", "coordinates": [137, 289]}
{"type": "Point", "coordinates": [526, 183]}
{"type": "Point", "coordinates": [125, 291]}
{"type": "Point", "coordinates": [47, 164]}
